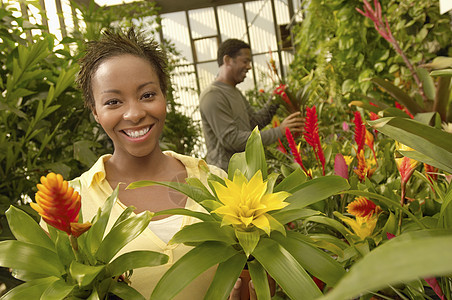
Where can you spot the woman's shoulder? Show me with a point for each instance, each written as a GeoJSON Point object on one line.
{"type": "Point", "coordinates": [195, 165]}
{"type": "Point", "coordinates": [95, 173]}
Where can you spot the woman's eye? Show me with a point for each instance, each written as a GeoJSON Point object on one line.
{"type": "Point", "coordinates": [112, 102]}
{"type": "Point", "coordinates": [148, 95]}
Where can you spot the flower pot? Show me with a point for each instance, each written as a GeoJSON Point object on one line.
{"type": "Point", "coordinates": [245, 293]}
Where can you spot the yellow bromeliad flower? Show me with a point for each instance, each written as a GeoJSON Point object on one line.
{"type": "Point", "coordinates": [366, 216]}
{"type": "Point", "coordinates": [246, 203]}
{"type": "Point", "coordinates": [59, 205]}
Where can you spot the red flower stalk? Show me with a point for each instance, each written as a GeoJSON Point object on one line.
{"type": "Point", "coordinates": [360, 131]}
{"type": "Point", "coordinates": [293, 147]}
{"type": "Point", "coordinates": [373, 116]}
{"type": "Point", "coordinates": [362, 168]}
{"type": "Point", "coordinates": [404, 109]}
{"type": "Point", "coordinates": [431, 172]}
{"type": "Point", "coordinates": [281, 147]}
{"type": "Point", "coordinates": [311, 135]}
{"type": "Point", "coordinates": [385, 31]}
{"type": "Point", "coordinates": [363, 208]}
{"type": "Point", "coordinates": [281, 91]}
{"type": "Point", "coordinates": [369, 141]}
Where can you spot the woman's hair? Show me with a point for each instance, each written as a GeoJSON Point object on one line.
{"type": "Point", "coordinates": [114, 44]}
{"type": "Point", "coordinates": [231, 48]}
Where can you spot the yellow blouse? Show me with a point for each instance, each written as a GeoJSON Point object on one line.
{"type": "Point", "coordinates": [95, 189]}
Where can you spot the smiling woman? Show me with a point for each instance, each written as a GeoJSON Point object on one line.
{"type": "Point", "coordinates": [124, 81]}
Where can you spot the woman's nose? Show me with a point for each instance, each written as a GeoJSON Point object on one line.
{"type": "Point", "coordinates": [134, 112]}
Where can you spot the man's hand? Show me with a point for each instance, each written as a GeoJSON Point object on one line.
{"type": "Point", "coordinates": [236, 290]}
{"type": "Point", "coordinates": [294, 122]}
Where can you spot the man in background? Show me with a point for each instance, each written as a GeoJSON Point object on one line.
{"type": "Point", "coordinates": [227, 117]}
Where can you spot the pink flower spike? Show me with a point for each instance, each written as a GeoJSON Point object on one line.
{"type": "Point", "coordinates": [293, 147]}
{"type": "Point", "coordinates": [433, 283]}
{"type": "Point", "coordinates": [389, 235]}
{"type": "Point", "coordinates": [340, 166]}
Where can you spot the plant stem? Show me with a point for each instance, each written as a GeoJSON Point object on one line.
{"type": "Point", "coordinates": [74, 245]}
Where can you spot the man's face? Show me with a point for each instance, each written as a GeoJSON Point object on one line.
{"type": "Point", "coordinates": [240, 65]}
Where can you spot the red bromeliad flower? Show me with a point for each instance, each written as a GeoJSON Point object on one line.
{"type": "Point", "coordinates": [281, 91]}
{"type": "Point", "coordinates": [59, 205]}
{"type": "Point", "coordinates": [362, 168]}
{"type": "Point", "coordinates": [431, 172]}
{"type": "Point", "coordinates": [360, 131]}
{"type": "Point", "coordinates": [369, 141]}
{"type": "Point", "coordinates": [311, 135]}
{"type": "Point", "coordinates": [363, 208]}
{"type": "Point", "coordinates": [295, 153]}
{"type": "Point", "coordinates": [404, 109]}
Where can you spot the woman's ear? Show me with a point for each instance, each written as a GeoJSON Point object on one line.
{"type": "Point", "coordinates": [96, 117]}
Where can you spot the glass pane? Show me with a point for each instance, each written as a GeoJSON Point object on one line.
{"type": "Point", "coordinates": [175, 29]}
{"type": "Point", "coordinates": [207, 73]}
{"type": "Point", "coordinates": [206, 49]}
{"type": "Point", "coordinates": [282, 11]}
{"type": "Point", "coordinates": [266, 79]}
{"type": "Point", "coordinates": [202, 22]}
{"type": "Point", "coordinates": [232, 22]}
{"type": "Point", "coordinates": [261, 26]}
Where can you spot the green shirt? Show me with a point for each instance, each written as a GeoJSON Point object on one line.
{"type": "Point", "coordinates": [228, 119]}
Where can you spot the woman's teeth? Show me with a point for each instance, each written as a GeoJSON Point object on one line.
{"type": "Point", "coordinates": [136, 133]}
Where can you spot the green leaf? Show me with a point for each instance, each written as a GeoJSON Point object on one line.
{"type": "Point", "coordinates": [123, 291]}
{"type": "Point", "coordinates": [284, 268]}
{"type": "Point", "coordinates": [427, 83]}
{"type": "Point", "coordinates": [193, 192]}
{"type": "Point", "coordinates": [29, 257]}
{"type": "Point", "coordinates": [84, 274]}
{"type": "Point", "coordinates": [347, 234]}
{"type": "Point", "coordinates": [25, 228]}
{"type": "Point", "coordinates": [205, 231]}
{"type": "Point", "coordinates": [121, 235]}
{"type": "Point", "coordinates": [255, 155]}
{"type": "Point", "coordinates": [64, 249]}
{"type": "Point", "coordinates": [392, 263]}
{"type": "Point", "coordinates": [225, 277]}
{"type": "Point", "coordinates": [432, 142]}
{"type": "Point", "coordinates": [399, 95]}
{"type": "Point", "coordinates": [314, 260]}
{"type": "Point", "coordinates": [445, 72]}
{"type": "Point", "coordinates": [95, 234]}
{"type": "Point", "coordinates": [134, 260]}
{"type": "Point", "coordinates": [57, 290]}
{"type": "Point", "coordinates": [260, 280]}
{"type": "Point", "coordinates": [446, 209]}
{"type": "Point", "coordinates": [29, 290]}
{"type": "Point", "coordinates": [315, 190]}
{"type": "Point", "coordinates": [185, 212]}
{"type": "Point", "coordinates": [248, 240]}
{"type": "Point", "coordinates": [124, 215]}
{"type": "Point", "coordinates": [237, 162]}
{"type": "Point", "coordinates": [190, 266]}
{"type": "Point", "coordinates": [291, 183]}
{"type": "Point", "coordinates": [287, 216]}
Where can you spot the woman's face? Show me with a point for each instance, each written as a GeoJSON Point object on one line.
{"type": "Point", "coordinates": [129, 104]}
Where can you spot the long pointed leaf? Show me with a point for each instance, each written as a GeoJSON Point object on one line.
{"type": "Point", "coordinates": [429, 141]}
{"type": "Point", "coordinates": [255, 155]}
{"type": "Point", "coordinates": [205, 231]}
{"type": "Point", "coordinates": [29, 290]}
{"type": "Point", "coordinates": [284, 268]}
{"type": "Point", "coordinates": [399, 95]}
{"type": "Point", "coordinates": [96, 232]}
{"type": "Point", "coordinates": [316, 190]}
{"type": "Point", "coordinates": [186, 212]}
{"type": "Point", "coordinates": [57, 290]}
{"type": "Point", "coordinates": [392, 263]}
{"type": "Point", "coordinates": [225, 277]}
{"type": "Point", "coordinates": [29, 257]}
{"type": "Point", "coordinates": [121, 235]}
{"type": "Point", "coordinates": [123, 291]}
{"type": "Point", "coordinates": [260, 280]}
{"type": "Point", "coordinates": [291, 183]}
{"type": "Point", "coordinates": [84, 274]}
{"type": "Point", "coordinates": [134, 260]}
{"type": "Point", "coordinates": [314, 260]}
{"type": "Point", "coordinates": [190, 266]}
{"type": "Point", "coordinates": [287, 216]}
{"type": "Point", "coordinates": [25, 228]}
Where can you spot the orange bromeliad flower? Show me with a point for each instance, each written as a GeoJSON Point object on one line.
{"type": "Point", "coordinates": [363, 208]}
{"type": "Point", "coordinates": [59, 205]}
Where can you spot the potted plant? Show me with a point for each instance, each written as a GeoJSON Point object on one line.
{"type": "Point", "coordinates": [243, 225]}
{"type": "Point", "coordinates": [74, 260]}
